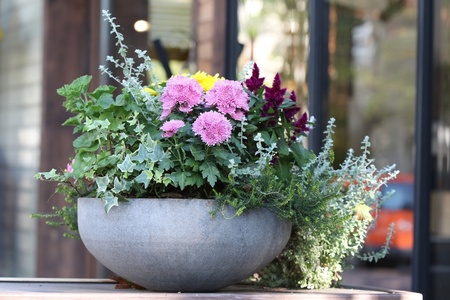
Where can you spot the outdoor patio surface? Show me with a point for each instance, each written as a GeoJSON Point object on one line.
{"type": "Point", "coordinates": [52, 288]}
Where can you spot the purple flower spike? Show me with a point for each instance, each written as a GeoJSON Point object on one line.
{"type": "Point", "coordinates": [289, 113]}
{"type": "Point", "coordinates": [274, 96]}
{"type": "Point", "coordinates": [254, 83]}
{"type": "Point", "coordinates": [301, 124]}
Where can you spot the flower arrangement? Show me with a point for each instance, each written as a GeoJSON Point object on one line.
{"type": "Point", "coordinates": [237, 141]}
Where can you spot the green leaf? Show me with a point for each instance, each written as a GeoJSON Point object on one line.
{"type": "Point", "coordinates": [127, 165]}
{"type": "Point", "coordinates": [105, 101]}
{"type": "Point", "coordinates": [47, 175]}
{"type": "Point", "coordinates": [102, 89]}
{"type": "Point", "coordinates": [110, 201]}
{"type": "Point", "coordinates": [120, 100]}
{"type": "Point", "coordinates": [283, 147]}
{"type": "Point", "coordinates": [78, 86]}
{"type": "Point", "coordinates": [195, 180]}
{"type": "Point", "coordinates": [157, 154]}
{"type": "Point", "coordinates": [210, 172]}
{"type": "Point", "coordinates": [238, 144]}
{"type": "Point", "coordinates": [223, 156]}
{"type": "Point", "coordinates": [193, 164]}
{"type": "Point", "coordinates": [120, 185]}
{"type": "Point", "coordinates": [87, 142]}
{"type": "Point", "coordinates": [144, 178]}
{"type": "Point", "coordinates": [141, 154]}
{"type": "Point", "coordinates": [197, 152]}
{"type": "Point", "coordinates": [301, 154]}
{"type": "Point", "coordinates": [250, 128]}
{"type": "Point", "coordinates": [166, 162]}
{"type": "Point", "coordinates": [102, 183]}
{"type": "Point", "coordinates": [72, 121]}
{"type": "Point", "coordinates": [266, 137]}
{"type": "Point", "coordinates": [180, 178]}
{"type": "Point", "coordinates": [96, 124]}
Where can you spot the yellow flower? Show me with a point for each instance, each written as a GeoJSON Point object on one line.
{"type": "Point", "coordinates": [150, 91]}
{"type": "Point", "coordinates": [362, 212]}
{"type": "Point", "coordinates": [205, 80]}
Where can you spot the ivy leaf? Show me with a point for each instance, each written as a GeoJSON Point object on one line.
{"type": "Point", "coordinates": [141, 154]}
{"type": "Point", "coordinates": [110, 201]}
{"type": "Point", "coordinates": [47, 175]}
{"type": "Point", "coordinates": [96, 124]}
{"type": "Point", "coordinates": [157, 154]}
{"type": "Point", "coordinates": [166, 163]}
{"type": "Point", "coordinates": [119, 185]}
{"type": "Point", "coordinates": [127, 165]}
{"type": "Point", "coordinates": [102, 183]}
{"type": "Point", "coordinates": [210, 172]}
{"type": "Point", "coordinates": [144, 178]}
{"type": "Point", "coordinates": [87, 142]}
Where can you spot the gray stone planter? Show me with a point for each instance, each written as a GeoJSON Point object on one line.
{"type": "Point", "coordinates": [174, 245]}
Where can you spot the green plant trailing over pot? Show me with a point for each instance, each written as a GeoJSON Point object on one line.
{"type": "Point", "coordinates": [237, 141]}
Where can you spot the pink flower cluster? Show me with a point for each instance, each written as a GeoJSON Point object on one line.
{"type": "Point", "coordinates": [184, 94]}
{"type": "Point", "coordinates": [171, 127]}
{"type": "Point", "coordinates": [229, 97]}
{"type": "Point", "coordinates": [212, 127]}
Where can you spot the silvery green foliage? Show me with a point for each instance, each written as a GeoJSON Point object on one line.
{"type": "Point", "coordinates": [332, 207]}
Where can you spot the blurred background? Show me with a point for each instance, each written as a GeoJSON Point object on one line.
{"type": "Point", "coordinates": [371, 88]}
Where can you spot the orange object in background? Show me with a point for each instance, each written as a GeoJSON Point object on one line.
{"type": "Point", "coordinates": [397, 209]}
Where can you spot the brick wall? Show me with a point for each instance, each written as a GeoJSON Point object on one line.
{"type": "Point", "coordinates": [20, 114]}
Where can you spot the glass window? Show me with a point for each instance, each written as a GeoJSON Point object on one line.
{"type": "Point", "coordinates": [170, 37]}
{"type": "Point", "coordinates": [274, 34]}
{"type": "Point", "coordinates": [372, 92]}
{"type": "Point", "coordinates": [372, 78]}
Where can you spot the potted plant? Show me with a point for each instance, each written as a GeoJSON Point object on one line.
{"type": "Point", "coordinates": [201, 171]}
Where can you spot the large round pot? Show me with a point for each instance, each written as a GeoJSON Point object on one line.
{"type": "Point", "coordinates": [175, 245]}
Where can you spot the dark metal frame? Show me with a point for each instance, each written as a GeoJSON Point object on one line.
{"type": "Point", "coordinates": [233, 48]}
{"type": "Point", "coordinates": [319, 23]}
{"type": "Point", "coordinates": [423, 161]}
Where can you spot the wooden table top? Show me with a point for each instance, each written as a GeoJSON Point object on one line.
{"type": "Point", "coordinates": [63, 288]}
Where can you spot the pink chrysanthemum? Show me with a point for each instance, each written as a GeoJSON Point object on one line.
{"type": "Point", "coordinates": [180, 91]}
{"type": "Point", "coordinates": [229, 97]}
{"type": "Point", "coordinates": [213, 128]}
{"type": "Point", "coordinates": [171, 127]}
